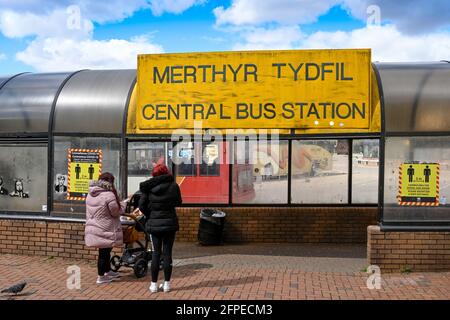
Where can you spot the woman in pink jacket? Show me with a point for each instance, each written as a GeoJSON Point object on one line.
{"type": "Point", "coordinates": [103, 229]}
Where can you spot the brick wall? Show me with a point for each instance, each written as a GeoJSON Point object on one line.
{"type": "Point", "coordinates": [307, 225]}
{"type": "Point", "coordinates": [295, 224]}
{"type": "Point", "coordinates": [58, 239]}
{"type": "Point", "coordinates": [408, 251]}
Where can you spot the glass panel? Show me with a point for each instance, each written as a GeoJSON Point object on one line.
{"type": "Point", "coordinates": [417, 150]}
{"type": "Point", "coordinates": [210, 165]}
{"type": "Point", "coordinates": [142, 156]}
{"type": "Point", "coordinates": [185, 156]}
{"type": "Point", "coordinates": [23, 177]}
{"type": "Point", "coordinates": [319, 171]}
{"type": "Point", "coordinates": [365, 170]}
{"type": "Point", "coordinates": [260, 172]}
{"type": "Point", "coordinates": [110, 163]}
{"type": "Point", "coordinates": [202, 171]}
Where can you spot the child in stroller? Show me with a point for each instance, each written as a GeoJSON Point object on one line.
{"type": "Point", "coordinates": [137, 248]}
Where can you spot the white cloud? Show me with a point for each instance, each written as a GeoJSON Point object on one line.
{"type": "Point", "coordinates": [2, 56]}
{"type": "Point", "coordinates": [100, 11]}
{"type": "Point", "coordinates": [275, 24]}
{"type": "Point", "coordinates": [387, 43]}
{"type": "Point", "coordinates": [254, 12]}
{"type": "Point", "coordinates": [284, 37]}
{"type": "Point", "coordinates": [158, 7]}
{"type": "Point", "coordinates": [56, 23]}
{"type": "Point", "coordinates": [57, 54]}
{"type": "Point", "coordinates": [62, 33]}
{"type": "Point", "coordinates": [410, 16]}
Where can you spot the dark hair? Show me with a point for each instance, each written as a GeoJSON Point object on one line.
{"type": "Point", "coordinates": [160, 169]}
{"type": "Point", "coordinates": [109, 177]}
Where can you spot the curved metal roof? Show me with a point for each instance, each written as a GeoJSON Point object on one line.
{"type": "Point", "coordinates": [416, 96]}
{"type": "Point", "coordinates": [416, 99]}
{"type": "Point", "coordinates": [94, 101]}
{"type": "Point", "coordinates": [4, 79]}
{"type": "Point", "coordinates": [26, 101]}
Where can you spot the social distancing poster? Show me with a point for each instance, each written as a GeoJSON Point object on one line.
{"type": "Point", "coordinates": [419, 184]}
{"type": "Point", "coordinates": [84, 165]}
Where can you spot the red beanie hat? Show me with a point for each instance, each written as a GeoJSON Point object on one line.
{"type": "Point", "coordinates": [160, 169]}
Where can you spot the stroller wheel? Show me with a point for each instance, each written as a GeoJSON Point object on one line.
{"type": "Point", "coordinates": [140, 268]}
{"type": "Point", "coordinates": [115, 263]}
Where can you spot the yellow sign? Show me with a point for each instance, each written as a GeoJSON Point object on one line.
{"type": "Point", "coordinates": [419, 184]}
{"type": "Point", "coordinates": [257, 89]}
{"type": "Point", "coordinates": [84, 165]}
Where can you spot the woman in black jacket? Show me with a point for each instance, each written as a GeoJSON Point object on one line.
{"type": "Point", "coordinates": [160, 195]}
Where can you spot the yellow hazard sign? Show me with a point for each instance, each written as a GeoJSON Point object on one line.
{"type": "Point", "coordinates": [419, 184]}
{"type": "Point", "coordinates": [255, 89]}
{"type": "Point", "coordinates": [84, 165]}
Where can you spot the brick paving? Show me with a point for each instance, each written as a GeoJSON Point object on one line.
{"type": "Point", "coordinates": [256, 271]}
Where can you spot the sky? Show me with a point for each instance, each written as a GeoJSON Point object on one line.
{"type": "Point", "coordinates": [66, 35]}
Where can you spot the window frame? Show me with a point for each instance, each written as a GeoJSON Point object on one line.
{"type": "Point", "coordinates": [411, 224]}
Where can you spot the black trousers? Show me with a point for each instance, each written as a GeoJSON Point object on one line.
{"type": "Point", "coordinates": [103, 263]}
{"type": "Point", "coordinates": [162, 247]}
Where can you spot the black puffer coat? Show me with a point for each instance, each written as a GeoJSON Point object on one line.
{"type": "Point", "coordinates": [160, 196]}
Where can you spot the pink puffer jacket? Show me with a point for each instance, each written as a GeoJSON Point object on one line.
{"type": "Point", "coordinates": [103, 228]}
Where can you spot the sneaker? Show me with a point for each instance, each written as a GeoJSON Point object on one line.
{"type": "Point", "coordinates": [103, 279]}
{"type": "Point", "coordinates": [165, 287]}
{"type": "Point", "coordinates": [112, 274]}
{"type": "Point", "coordinates": [153, 287]}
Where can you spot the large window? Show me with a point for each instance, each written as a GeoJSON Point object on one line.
{"type": "Point", "coordinates": [416, 150]}
{"type": "Point", "coordinates": [365, 170]}
{"type": "Point", "coordinates": [142, 156]}
{"type": "Point", "coordinates": [260, 171]}
{"type": "Point", "coordinates": [110, 148]}
{"type": "Point", "coordinates": [319, 171]}
{"type": "Point", "coordinates": [23, 177]}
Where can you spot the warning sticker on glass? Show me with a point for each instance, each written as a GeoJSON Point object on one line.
{"type": "Point", "coordinates": [418, 184]}
{"type": "Point", "coordinates": [84, 165]}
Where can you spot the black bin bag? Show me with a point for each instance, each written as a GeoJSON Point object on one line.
{"type": "Point", "coordinates": [210, 229]}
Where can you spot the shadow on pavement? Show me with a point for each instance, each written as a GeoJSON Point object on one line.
{"type": "Point", "coordinates": [188, 270]}
{"type": "Point", "coordinates": [185, 270]}
{"type": "Point", "coordinates": [184, 250]}
{"type": "Point", "coordinates": [222, 283]}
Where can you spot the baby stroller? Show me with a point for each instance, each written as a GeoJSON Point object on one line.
{"type": "Point", "coordinates": [137, 250]}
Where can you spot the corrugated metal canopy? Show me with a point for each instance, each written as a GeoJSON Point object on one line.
{"type": "Point", "coordinates": [94, 101]}
{"type": "Point", "coordinates": [3, 80]}
{"type": "Point", "coordinates": [26, 102]}
{"type": "Point", "coordinates": [416, 96]}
